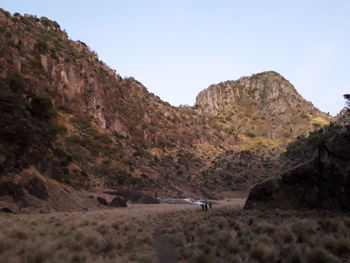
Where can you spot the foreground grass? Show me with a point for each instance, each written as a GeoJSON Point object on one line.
{"type": "Point", "coordinates": [103, 236]}
{"type": "Point", "coordinates": [224, 235]}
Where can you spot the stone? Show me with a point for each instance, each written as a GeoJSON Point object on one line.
{"type": "Point", "coordinates": [102, 201]}
{"type": "Point", "coordinates": [6, 210]}
{"type": "Point", "coordinates": [118, 202]}
{"type": "Point", "coordinates": [37, 188]}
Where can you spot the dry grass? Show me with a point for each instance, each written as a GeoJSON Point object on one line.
{"type": "Point", "coordinates": [225, 235]}
{"type": "Point", "coordinates": [116, 235]}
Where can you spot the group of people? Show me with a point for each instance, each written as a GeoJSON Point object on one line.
{"type": "Point", "coordinates": [204, 205]}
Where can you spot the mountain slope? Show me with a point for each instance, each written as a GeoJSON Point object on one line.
{"type": "Point", "coordinates": [70, 118]}
{"type": "Point", "coordinates": [318, 174]}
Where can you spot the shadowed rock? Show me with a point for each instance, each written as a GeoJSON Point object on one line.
{"type": "Point", "coordinates": [37, 188]}
{"type": "Point", "coordinates": [102, 201]}
{"type": "Point", "coordinates": [118, 202]}
{"type": "Point", "coordinates": [6, 210]}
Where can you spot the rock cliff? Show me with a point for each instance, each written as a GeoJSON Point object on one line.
{"type": "Point", "coordinates": [261, 105]}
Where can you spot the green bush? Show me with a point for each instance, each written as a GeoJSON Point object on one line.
{"type": "Point", "coordinates": [41, 46]}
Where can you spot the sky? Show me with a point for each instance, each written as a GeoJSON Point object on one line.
{"type": "Point", "coordinates": [177, 48]}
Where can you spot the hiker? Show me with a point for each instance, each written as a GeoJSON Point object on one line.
{"type": "Point", "coordinates": [202, 205]}
{"type": "Point", "coordinates": [206, 206]}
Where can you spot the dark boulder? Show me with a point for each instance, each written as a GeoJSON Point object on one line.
{"type": "Point", "coordinates": [6, 210]}
{"type": "Point", "coordinates": [102, 201]}
{"type": "Point", "coordinates": [37, 188]}
{"type": "Point", "coordinates": [118, 202]}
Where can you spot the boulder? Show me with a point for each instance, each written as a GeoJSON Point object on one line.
{"type": "Point", "coordinates": [37, 188]}
{"type": "Point", "coordinates": [118, 202]}
{"type": "Point", "coordinates": [102, 201]}
{"type": "Point", "coordinates": [6, 210]}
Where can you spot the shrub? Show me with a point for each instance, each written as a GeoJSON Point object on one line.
{"type": "Point", "coordinates": [45, 21]}
{"type": "Point", "coordinates": [16, 83]}
{"type": "Point", "coordinates": [250, 134]}
{"type": "Point", "coordinates": [42, 108]}
{"type": "Point", "coordinates": [41, 46]}
{"type": "Point", "coordinates": [17, 134]}
{"type": "Point", "coordinates": [303, 115]}
{"type": "Point", "coordinates": [319, 255]}
{"type": "Point", "coordinates": [264, 253]}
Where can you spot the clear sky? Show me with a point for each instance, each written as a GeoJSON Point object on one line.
{"type": "Point", "coordinates": [177, 48]}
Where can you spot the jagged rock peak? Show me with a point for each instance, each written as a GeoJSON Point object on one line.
{"type": "Point", "coordinates": [266, 89]}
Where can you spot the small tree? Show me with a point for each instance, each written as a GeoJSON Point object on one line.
{"type": "Point", "coordinates": [347, 100]}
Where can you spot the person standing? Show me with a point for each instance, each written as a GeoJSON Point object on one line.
{"type": "Point", "coordinates": [202, 205]}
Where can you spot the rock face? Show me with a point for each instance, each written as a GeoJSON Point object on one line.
{"type": "Point", "coordinates": [262, 101]}
{"type": "Point", "coordinates": [322, 182]}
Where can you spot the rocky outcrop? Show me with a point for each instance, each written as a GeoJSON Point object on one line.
{"type": "Point", "coordinates": [323, 182]}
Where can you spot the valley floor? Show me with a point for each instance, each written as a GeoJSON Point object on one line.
{"type": "Point", "coordinates": [176, 233]}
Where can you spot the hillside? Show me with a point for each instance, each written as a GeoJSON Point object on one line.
{"type": "Point", "coordinates": [317, 174]}
{"type": "Point", "coordinates": [68, 120]}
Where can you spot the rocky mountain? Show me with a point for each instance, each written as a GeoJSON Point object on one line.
{"type": "Point", "coordinates": [265, 104]}
{"type": "Point", "coordinates": [68, 120]}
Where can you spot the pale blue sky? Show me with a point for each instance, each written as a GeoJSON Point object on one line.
{"type": "Point", "coordinates": [176, 48]}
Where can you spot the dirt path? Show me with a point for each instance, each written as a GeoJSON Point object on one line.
{"type": "Point", "coordinates": [167, 252]}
